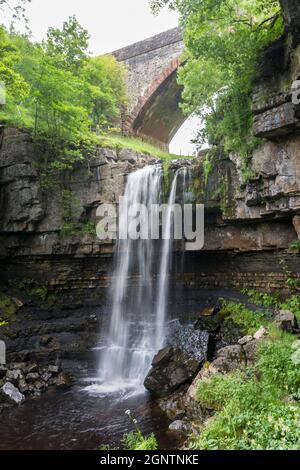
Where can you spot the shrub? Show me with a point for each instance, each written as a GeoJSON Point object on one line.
{"type": "Point", "coordinates": [277, 427]}
{"type": "Point", "coordinates": [136, 441]}
{"type": "Point", "coordinates": [275, 364]}
{"type": "Point", "coordinates": [263, 299]}
{"type": "Point", "coordinates": [247, 320]}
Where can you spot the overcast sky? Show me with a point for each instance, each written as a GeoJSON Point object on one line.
{"type": "Point", "coordinates": [112, 24]}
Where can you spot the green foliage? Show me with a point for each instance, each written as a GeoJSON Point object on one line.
{"type": "Point", "coordinates": [136, 441]}
{"type": "Point", "coordinates": [58, 92]}
{"type": "Point", "coordinates": [68, 46]}
{"type": "Point", "coordinates": [89, 228]}
{"type": "Point", "coordinates": [224, 40]}
{"type": "Point", "coordinates": [207, 167]}
{"type": "Point", "coordinates": [16, 86]}
{"type": "Point", "coordinates": [106, 90]}
{"type": "Point", "coordinates": [295, 245]}
{"type": "Point", "coordinates": [69, 205]}
{"type": "Point", "coordinates": [275, 426]}
{"type": "Point", "coordinates": [216, 392]}
{"type": "Point", "coordinates": [8, 309]}
{"type": "Point", "coordinates": [266, 300]}
{"type": "Point", "coordinates": [293, 305]}
{"type": "Point", "coordinates": [291, 280]}
{"type": "Point", "coordinates": [116, 141]}
{"type": "Point", "coordinates": [71, 211]}
{"type": "Point", "coordinates": [247, 173]}
{"type": "Point", "coordinates": [275, 364]}
{"type": "Point", "coordinates": [34, 290]}
{"type": "Point", "coordinates": [247, 320]}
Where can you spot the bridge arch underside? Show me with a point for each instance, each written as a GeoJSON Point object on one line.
{"type": "Point", "coordinates": [160, 117]}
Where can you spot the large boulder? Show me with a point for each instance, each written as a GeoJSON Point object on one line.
{"type": "Point", "coordinates": [229, 359]}
{"type": "Point", "coordinates": [286, 321]}
{"type": "Point", "coordinates": [195, 343]}
{"type": "Point", "coordinates": [171, 368]}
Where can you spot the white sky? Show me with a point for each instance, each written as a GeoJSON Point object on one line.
{"type": "Point", "coordinates": [112, 24]}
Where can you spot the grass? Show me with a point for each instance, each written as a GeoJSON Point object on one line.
{"type": "Point", "coordinates": [267, 300]}
{"type": "Point", "coordinates": [246, 320]}
{"type": "Point", "coordinates": [117, 141]}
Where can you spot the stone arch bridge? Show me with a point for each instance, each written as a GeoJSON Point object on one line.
{"type": "Point", "coordinates": [153, 112]}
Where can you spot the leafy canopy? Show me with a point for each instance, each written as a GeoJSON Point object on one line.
{"type": "Point", "coordinates": [68, 46]}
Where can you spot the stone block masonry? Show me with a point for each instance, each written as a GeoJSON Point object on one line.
{"type": "Point", "coordinates": [153, 111]}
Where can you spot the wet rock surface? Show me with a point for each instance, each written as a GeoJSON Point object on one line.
{"type": "Point", "coordinates": [195, 343]}
{"type": "Point", "coordinates": [45, 335]}
{"type": "Point", "coordinates": [183, 404]}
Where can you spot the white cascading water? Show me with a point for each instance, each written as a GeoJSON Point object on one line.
{"type": "Point", "coordinates": [163, 287]}
{"type": "Point", "coordinates": [137, 327]}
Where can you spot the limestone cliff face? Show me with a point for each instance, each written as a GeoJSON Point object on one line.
{"type": "Point", "coordinates": [55, 215]}
{"type": "Point", "coordinates": [255, 205]}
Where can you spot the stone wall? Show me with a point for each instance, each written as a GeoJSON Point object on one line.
{"type": "Point", "coordinates": [259, 270]}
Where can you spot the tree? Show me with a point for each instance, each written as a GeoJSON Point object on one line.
{"type": "Point", "coordinates": [105, 90]}
{"type": "Point", "coordinates": [69, 45]}
{"type": "Point", "coordinates": [58, 92]}
{"type": "Point", "coordinates": [224, 40]}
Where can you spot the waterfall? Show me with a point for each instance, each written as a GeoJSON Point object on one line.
{"type": "Point", "coordinates": [137, 326]}
{"type": "Point", "coordinates": [163, 288]}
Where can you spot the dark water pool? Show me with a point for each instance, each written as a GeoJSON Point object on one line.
{"type": "Point", "coordinates": [77, 420]}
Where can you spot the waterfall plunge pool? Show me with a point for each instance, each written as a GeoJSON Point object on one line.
{"type": "Point", "coordinates": [83, 419]}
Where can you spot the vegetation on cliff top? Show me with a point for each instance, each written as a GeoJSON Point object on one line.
{"type": "Point", "coordinates": [117, 141]}
{"type": "Point", "coordinates": [224, 40]}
